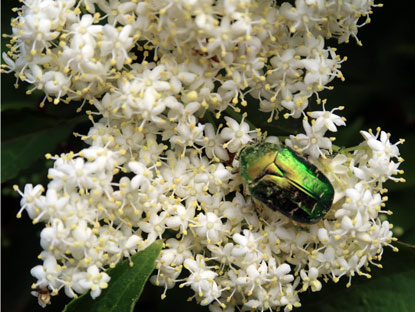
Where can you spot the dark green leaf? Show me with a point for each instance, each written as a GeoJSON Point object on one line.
{"type": "Point", "coordinates": [125, 286]}
{"type": "Point", "coordinates": [16, 105]}
{"type": "Point", "coordinates": [390, 289]}
{"type": "Point", "coordinates": [27, 137]}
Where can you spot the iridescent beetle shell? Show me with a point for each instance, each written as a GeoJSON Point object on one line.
{"type": "Point", "coordinates": [283, 181]}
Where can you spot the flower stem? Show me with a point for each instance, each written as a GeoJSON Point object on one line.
{"type": "Point", "coordinates": [351, 149]}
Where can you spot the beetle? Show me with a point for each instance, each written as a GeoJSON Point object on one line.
{"type": "Point", "coordinates": [280, 179]}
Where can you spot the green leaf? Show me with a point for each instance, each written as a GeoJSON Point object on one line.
{"type": "Point", "coordinates": [390, 289]}
{"type": "Point", "coordinates": [125, 286]}
{"type": "Point", "coordinates": [27, 137]}
{"type": "Point", "coordinates": [16, 105]}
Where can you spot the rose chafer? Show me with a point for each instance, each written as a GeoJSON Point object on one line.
{"type": "Point", "coordinates": [283, 181]}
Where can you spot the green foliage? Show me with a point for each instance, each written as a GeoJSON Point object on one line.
{"type": "Point", "coordinates": [16, 105]}
{"type": "Point", "coordinates": [125, 286]}
{"type": "Point", "coordinates": [27, 136]}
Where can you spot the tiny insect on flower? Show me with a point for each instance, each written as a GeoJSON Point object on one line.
{"type": "Point", "coordinates": [283, 181]}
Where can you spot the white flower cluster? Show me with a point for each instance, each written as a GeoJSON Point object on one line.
{"type": "Point", "coordinates": [79, 50]}
{"type": "Point", "coordinates": [158, 166]}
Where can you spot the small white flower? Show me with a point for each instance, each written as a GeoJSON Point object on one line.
{"type": "Point", "coordinates": [117, 44]}
{"type": "Point", "coordinates": [312, 142]}
{"type": "Point", "coordinates": [310, 279]}
{"type": "Point", "coordinates": [52, 237]}
{"type": "Point", "coordinates": [85, 29]}
{"type": "Point", "coordinates": [326, 119]}
{"type": "Point", "coordinates": [188, 133]}
{"type": "Point", "coordinates": [201, 279]}
{"type": "Point", "coordinates": [209, 226]}
{"type": "Point", "coordinates": [55, 83]}
{"type": "Point", "coordinates": [95, 280]}
{"type": "Point", "coordinates": [235, 135]}
{"type": "Point", "coordinates": [29, 196]}
{"type": "Point", "coordinates": [296, 104]}
{"type": "Point", "coordinates": [47, 273]}
{"type": "Point", "coordinates": [214, 144]}
{"type": "Point", "coordinates": [320, 70]}
{"type": "Point", "coordinates": [247, 246]}
{"type": "Point", "coordinates": [181, 216]}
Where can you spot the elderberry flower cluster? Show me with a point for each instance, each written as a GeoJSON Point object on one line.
{"type": "Point", "coordinates": [163, 77]}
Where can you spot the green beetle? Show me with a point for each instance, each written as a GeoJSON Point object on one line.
{"type": "Point", "coordinates": [283, 181]}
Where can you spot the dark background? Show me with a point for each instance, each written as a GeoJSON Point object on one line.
{"type": "Point", "coordinates": [378, 91]}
